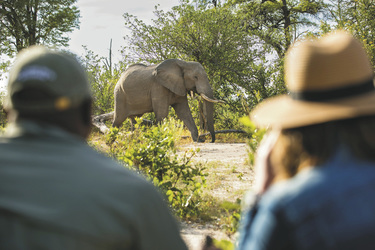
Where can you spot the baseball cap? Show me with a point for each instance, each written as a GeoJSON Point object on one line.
{"type": "Point", "coordinates": [44, 81]}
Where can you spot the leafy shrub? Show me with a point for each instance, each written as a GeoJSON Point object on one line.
{"type": "Point", "coordinates": [256, 135]}
{"type": "Point", "coordinates": [152, 152]}
{"type": "Point", "coordinates": [102, 78]}
{"type": "Point", "coordinates": [225, 214]}
{"type": "Point", "coordinates": [224, 244]}
{"type": "Point", "coordinates": [3, 117]}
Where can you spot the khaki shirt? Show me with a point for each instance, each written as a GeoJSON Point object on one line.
{"type": "Point", "coordinates": [56, 192]}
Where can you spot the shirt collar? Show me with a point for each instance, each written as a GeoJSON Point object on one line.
{"type": "Point", "coordinates": [24, 127]}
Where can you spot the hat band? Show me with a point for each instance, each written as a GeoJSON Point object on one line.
{"type": "Point", "coordinates": [326, 95]}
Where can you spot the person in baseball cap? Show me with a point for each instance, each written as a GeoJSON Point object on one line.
{"type": "Point", "coordinates": [46, 81]}
{"type": "Point", "coordinates": [56, 191]}
{"type": "Point", "coordinates": [51, 87]}
{"type": "Point", "coordinates": [315, 169]}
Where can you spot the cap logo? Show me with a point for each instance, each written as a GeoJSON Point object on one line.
{"type": "Point", "coordinates": [38, 73]}
{"type": "Point", "coordinates": [62, 103]}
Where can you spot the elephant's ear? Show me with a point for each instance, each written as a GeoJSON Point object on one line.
{"type": "Point", "coordinates": [170, 75]}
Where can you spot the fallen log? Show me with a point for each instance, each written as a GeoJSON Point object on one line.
{"type": "Point", "coordinates": [101, 126]}
{"type": "Point", "coordinates": [99, 121]}
{"type": "Point", "coordinates": [226, 131]}
{"type": "Point", "coordinates": [103, 117]}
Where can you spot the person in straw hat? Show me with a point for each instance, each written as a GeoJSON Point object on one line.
{"type": "Point", "coordinates": [315, 170]}
{"type": "Point", "coordinates": [56, 192]}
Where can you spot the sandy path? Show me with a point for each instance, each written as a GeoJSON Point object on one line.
{"type": "Point", "coordinates": [230, 162]}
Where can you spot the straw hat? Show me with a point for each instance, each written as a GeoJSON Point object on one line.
{"type": "Point", "coordinates": [327, 79]}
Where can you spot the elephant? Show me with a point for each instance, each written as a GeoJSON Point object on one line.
{"type": "Point", "coordinates": [142, 89]}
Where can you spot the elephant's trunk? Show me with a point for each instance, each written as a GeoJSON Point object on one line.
{"type": "Point", "coordinates": [208, 112]}
{"type": "Point", "coordinates": [205, 91]}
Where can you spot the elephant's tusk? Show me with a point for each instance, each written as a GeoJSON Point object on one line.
{"type": "Point", "coordinates": [211, 100]}
{"type": "Point", "coordinates": [191, 94]}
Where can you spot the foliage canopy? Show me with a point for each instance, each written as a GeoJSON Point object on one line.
{"type": "Point", "coordinates": [27, 22]}
{"type": "Point", "coordinates": [357, 17]}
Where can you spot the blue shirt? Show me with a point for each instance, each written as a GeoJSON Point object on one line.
{"type": "Point", "coordinates": [331, 206]}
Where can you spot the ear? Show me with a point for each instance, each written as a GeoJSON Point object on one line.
{"type": "Point", "coordinates": [170, 75]}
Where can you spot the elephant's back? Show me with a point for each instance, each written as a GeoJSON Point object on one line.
{"type": "Point", "coordinates": [139, 68]}
{"type": "Point", "coordinates": [138, 71]}
{"type": "Point", "coordinates": [136, 79]}
{"type": "Point", "coordinates": [135, 76]}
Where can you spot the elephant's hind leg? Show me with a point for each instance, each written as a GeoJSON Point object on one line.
{"type": "Point", "coordinates": [118, 120]}
{"type": "Point", "coordinates": [120, 110]}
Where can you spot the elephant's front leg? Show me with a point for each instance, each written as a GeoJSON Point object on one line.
{"type": "Point", "coordinates": [160, 99]}
{"type": "Point", "coordinates": [184, 114]}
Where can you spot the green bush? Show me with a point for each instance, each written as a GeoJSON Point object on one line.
{"type": "Point", "coordinates": [224, 244]}
{"type": "Point", "coordinates": [3, 117]}
{"type": "Point", "coordinates": [102, 78]}
{"type": "Point", "coordinates": [152, 152]}
{"type": "Point", "coordinates": [256, 135]}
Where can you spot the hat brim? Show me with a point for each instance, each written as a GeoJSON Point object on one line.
{"type": "Point", "coordinates": [283, 112]}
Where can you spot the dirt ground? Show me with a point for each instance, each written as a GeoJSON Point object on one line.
{"type": "Point", "coordinates": [230, 177]}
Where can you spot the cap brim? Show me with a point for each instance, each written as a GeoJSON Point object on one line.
{"type": "Point", "coordinates": [284, 112]}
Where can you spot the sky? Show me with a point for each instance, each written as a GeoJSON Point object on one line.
{"type": "Point", "coordinates": [102, 20]}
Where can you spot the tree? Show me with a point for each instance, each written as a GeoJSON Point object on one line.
{"type": "Point", "coordinates": [278, 23]}
{"type": "Point", "coordinates": [355, 16]}
{"type": "Point", "coordinates": [28, 22]}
